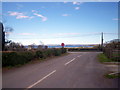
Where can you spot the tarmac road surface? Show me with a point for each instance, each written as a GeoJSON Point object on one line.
{"type": "Point", "coordinates": [75, 70]}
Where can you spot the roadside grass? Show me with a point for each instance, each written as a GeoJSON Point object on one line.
{"type": "Point", "coordinates": [102, 58]}
{"type": "Point", "coordinates": [112, 76]}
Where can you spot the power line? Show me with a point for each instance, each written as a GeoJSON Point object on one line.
{"type": "Point", "coordinates": [80, 35]}
{"type": "Point", "coordinates": [112, 33]}
{"type": "Point", "coordinates": [84, 35]}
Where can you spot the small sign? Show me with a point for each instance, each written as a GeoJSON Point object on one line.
{"type": "Point", "coordinates": [62, 44]}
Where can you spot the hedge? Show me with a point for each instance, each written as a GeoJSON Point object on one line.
{"type": "Point", "coordinates": [82, 49]}
{"type": "Point", "coordinates": [19, 58]}
{"type": "Point", "coordinates": [16, 58]}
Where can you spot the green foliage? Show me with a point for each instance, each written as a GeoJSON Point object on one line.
{"type": "Point", "coordinates": [103, 58]}
{"type": "Point", "coordinates": [19, 58]}
{"type": "Point", "coordinates": [112, 76]}
{"type": "Point", "coordinates": [49, 52]}
{"type": "Point", "coordinates": [7, 58]}
{"type": "Point", "coordinates": [57, 52]}
{"type": "Point", "coordinates": [39, 54]}
{"type": "Point", "coordinates": [64, 50]}
{"type": "Point", "coordinates": [27, 55]}
{"type": "Point", "coordinates": [83, 49]}
{"type": "Point", "coordinates": [16, 58]}
{"type": "Point", "coordinates": [111, 50]}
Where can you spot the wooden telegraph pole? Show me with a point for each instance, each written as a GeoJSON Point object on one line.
{"type": "Point", "coordinates": [102, 41]}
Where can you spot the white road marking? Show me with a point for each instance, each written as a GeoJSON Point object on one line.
{"type": "Point", "coordinates": [79, 55]}
{"type": "Point", "coordinates": [41, 79]}
{"type": "Point", "coordinates": [69, 61]}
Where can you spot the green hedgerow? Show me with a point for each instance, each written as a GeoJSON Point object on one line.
{"type": "Point", "coordinates": [20, 58]}
{"type": "Point", "coordinates": [15, 58]}
{"type": "Point", "coordinates": [39, 54]}
{"type": "Point", "coordinates": [57, 52]}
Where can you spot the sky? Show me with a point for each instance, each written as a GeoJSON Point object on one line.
{"type": "Point", "coordinates": [60, 22]}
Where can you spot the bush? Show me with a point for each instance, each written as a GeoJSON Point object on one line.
{"type": "Point", "coordinates": [19, 58]}
{"type": "Point", "coordinates": [64, 50]}
{"type": "Point", "coordinates": [48, 52]}
{"type": "Point", "coordinates": [27, 56]}
{"type": "Point", "coordinates": [117, 75]}
{"type": "Point", "coordinates": [57, 52]}
{"type": "Point", "coordinates": [16, 58]}
{"type": "Point", "coordinates": [39, 54]}
{"type": "Point", "coordinates": [83, 49]}
{"type": "Point", "coordinates": [8, 59]}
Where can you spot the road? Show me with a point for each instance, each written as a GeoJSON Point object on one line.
{"type": "Point", "coordinates": [75, 70]}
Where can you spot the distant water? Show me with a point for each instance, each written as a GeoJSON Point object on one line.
{"type": "Point", "coordinates": [69, 46]}
{"type": "Point", "coordinates": [59, 46]}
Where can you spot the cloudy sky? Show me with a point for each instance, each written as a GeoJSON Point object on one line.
{"type": "Point", "coordinates": [57, 22]}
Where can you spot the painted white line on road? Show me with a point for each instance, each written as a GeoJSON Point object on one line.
{"type": "Point", "coordinates": [69, 61]}
{"type": "Point", "coordinates": [79, 55]}
{"type": "Point", "coordinates": [41, 79]}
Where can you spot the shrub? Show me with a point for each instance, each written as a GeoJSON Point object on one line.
{"type": "Point", "coordinates": [57, 52]}
{"type": "Point", "coordinates": [16, 58]}
{"type": "Point", "coordinates": [19, 58]}
{"type": "Point", "coordinates": [39, 54]}
{"type": "Point", "coordinates": [27, 56]}
{"type": "Point", "coordinates": [64, 50]}
{"type": "Point", "coordinates": [8, 59]}
{"type": "Point", "coordinates": [48, 53]}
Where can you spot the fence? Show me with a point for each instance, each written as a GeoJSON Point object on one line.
{"type": "Point", "coordinates": [112, 51]}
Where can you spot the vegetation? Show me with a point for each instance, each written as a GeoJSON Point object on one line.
{"type": "Point", "coordinates": [16, 58]}
{"type": "Point", "coordinates": [103, 58]}
{"type": "Point", "coordinates": [12, 46]}
{"type": "Point", "coordinates": [112, 76]}
{"type": "Point", "coordinates": [111, 50]}
{"type": "Point", "coordinates": [19, 58]}
{"type": "Point", "coordinates": [83, 49]}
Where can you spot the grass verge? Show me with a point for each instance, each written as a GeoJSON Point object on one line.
{"type": "Point", "coordinates": [102, 58]}
{"type": "Point", "coordinates": [112, 76]}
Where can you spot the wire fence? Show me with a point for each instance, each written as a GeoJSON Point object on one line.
{"type": "Point", "coordinates": [112, 51]}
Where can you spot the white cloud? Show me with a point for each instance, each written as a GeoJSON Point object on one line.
{"type": "Point", "coordinates": [8, 33]}
{"type": "Point", "coordinates": [41, 16]}
{"type": "Point", "coordinates": [14, 13]}
{"type": "Point", "coordinates": [62, 34]}
{"type": "Point", "coordinates": [34, 11]}
{"type": "Point", "coordinates": [65, 15]}
{"type": "Point", "coordinates": [64, 1]}
{"type": "Point", "coordinates": [77, 3]}
{"type": "Point", "coordinates": [27, 34]}
{"type": "Point", "coordinates": [115, 19]}
{"type": "Point", "coordinates": [74, 3]}
{"type": "Point", "coordinates": [77, 8]}
{"type": "Point", "coordinates": [19, 15]}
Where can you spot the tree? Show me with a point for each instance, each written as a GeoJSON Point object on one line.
{"type": "Point", "coordinates": [12, 46]}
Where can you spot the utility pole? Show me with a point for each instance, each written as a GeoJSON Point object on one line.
{"type": "Point", "coordinates": [2, 37]}
{"type": "Point", "coordinates": [102, 41]}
